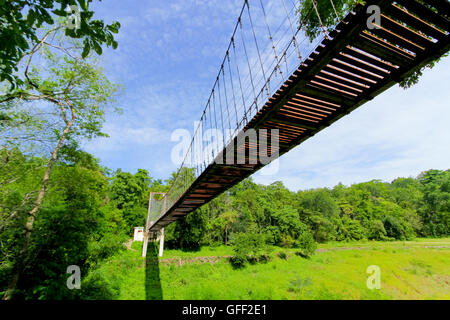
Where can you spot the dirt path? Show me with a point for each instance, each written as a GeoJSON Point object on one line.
{"type": "Point", "coordinates": [215, 259]}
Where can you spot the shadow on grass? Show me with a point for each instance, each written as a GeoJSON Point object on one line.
{"type": "Point", "coordinates": [153, 290]}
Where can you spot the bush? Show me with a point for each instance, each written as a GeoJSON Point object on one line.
{"type": "Point", "coordinates": [287, 241]}
{"type": "Point", "coordinates": [398, 229]}
{"type": "Point", "coordinates": [97, 287]}
{"type": "Point", "coordinates": [377, 231]}
{"type": "Point", "coordinates": [238, 262]}
{"type": "Point", "coordinates": [306, 244]}
{"type": "Point", "coordinates": [264, 258]}
{"type": "Point", "coordinates": [247, 247]}
{"type": "Point", "coordinates": [282, 255]}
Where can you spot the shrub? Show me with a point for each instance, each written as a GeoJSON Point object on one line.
{"type": "Point", "coordinates": [282, 255]}
{"type": "Point", "coordinates": [377, 231]}
{"type": "Point", "coordinates": [398, 229]}
{"type": "Point", "coordinates": [287, 241]}
{"type": "Point", "coordinates": [97, 287]}
{"type": "Point", "coordinates": [247, 247]}
{"type": "Point", "coordinates": [238, 262]}
{"type": "Point", "coordinates": [306, 244]}
{"type": "Point", "coordinates": [299, 284]}
{"type": "Point", "coordinates": [264, 258]}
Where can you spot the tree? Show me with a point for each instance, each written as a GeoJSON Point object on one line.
{"type": "Point", "coordinates": [188, 232]}
{"type": "Point", "coordinates": [19, 32]}
{"type": "Point", "coordinates": [247, 247]}
{"type": "Point", "coordinates": [435, 209]}
{"type": "Point", "coordinates": [76, 224]}
{"type": "Point", "coordinates": [130, 195]}
{"type": "Point", "coordinates": [223, 224]}
{"type": "Point", "coordinates": [72, 96]}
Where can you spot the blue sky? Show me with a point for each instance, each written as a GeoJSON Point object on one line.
{"type": "Point", "coordinates": [168, 57]}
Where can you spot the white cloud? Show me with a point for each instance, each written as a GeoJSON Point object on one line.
{"type": "Point", "coordinates": [121, 138]}
{"type": "Point", "coordinates": [399, 133]}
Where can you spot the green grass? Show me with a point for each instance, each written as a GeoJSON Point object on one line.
{"type": "Point", "coordinates": [409, 270]}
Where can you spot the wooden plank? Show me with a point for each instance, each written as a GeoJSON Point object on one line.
{"type": "Point", "coordinates": [294, 105]}
{"type": "Point", "coordinates": [425, 13]}
{"type": "Point", "coordinates": [303, 104]}
{"type": "Point", "coordinates": [405, 32]}
{"type": "Point", "coordinates": [340, 63]}
{"type": "Point", "coordinates": [380, 49]}
{"type": "Point", "coordinates": [320, 93]}
{"type": "Point", "coordinates": [314, 100]}
{"type": "Point", "coordinates": [298, 113]}
{"type": "Point", "coordinates": [333, 89]}
{"type": "Point", "coordinates": [338, 83]}
{"type": "Point", "coordinates": [394, 11]}
{"type": "Point", "coordinates": [362, 55]}
{"type": "Point", "coordinates": [363, 64]}
{"type": "Point", "coordinates": [345, 80]}
{"type": "Point", "coordinates": [396, 39]}
{"type": "Point", "coordinates": [294, 123]}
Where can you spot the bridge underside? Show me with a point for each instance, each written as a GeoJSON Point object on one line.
{"type": "Point", "coordinates": [351, 67]}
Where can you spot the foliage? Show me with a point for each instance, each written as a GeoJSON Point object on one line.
{"type": "Point", "coordinates": [248, 247]}
{"type": "Point", "coordinates": [130, 195]}
{"type": "Point", "coordinates": [21, 20]}
{"type": "Point", "coordinates": [188, 232]}
{"type": "Point", "coordinates": [306, 244]}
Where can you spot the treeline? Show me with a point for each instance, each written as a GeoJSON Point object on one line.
{"type": "Point", "coordinates": [374, 210]}
{"type": "Point", "coordinates": [89, 212]}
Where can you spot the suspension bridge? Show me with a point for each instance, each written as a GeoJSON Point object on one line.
{"type": "Point", "coordinates": [273, 78]}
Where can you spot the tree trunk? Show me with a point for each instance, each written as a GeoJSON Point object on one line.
{"type": "Point", "coordinates": [32, 214]}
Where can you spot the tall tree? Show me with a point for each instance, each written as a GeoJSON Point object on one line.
{"type": "Point", "coordinates": [69, 95]}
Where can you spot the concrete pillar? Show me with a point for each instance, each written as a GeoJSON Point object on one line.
{"type": "Point", "coordinates": [161, 243]}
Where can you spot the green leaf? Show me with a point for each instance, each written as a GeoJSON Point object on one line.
{"type": "Point", "coordinates": [97, 47]}
{"type": "Point", "coordinates": [31, 17]}
{"type": "Point", "coordinates": [86, 49]}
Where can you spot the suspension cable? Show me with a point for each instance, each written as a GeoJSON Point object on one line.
{"type": "Point", "coordinates": [335, 11]}
{"type": "Point", "coordinates": [257, 47]}
{"type": "Point", "coordinates": [320, 20]}
{"type": "Point", "coordinates": [248, 62]}
{"type": "Point", "coordinates": [293, 32]}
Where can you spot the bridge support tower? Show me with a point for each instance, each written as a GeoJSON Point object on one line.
{"type": "Point", "coordinates": [153, 236]}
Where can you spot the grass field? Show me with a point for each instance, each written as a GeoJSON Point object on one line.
{"type": "Point", "coordinates": [409, 270]}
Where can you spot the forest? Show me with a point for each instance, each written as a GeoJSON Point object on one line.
{"type": "Point", "coordinates": [60, 207]}
{"type": "Point", "coordinates": [89, 212]}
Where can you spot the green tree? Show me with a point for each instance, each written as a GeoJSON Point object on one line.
{"type": "Point", "coordinates": [435, 209]}
{"type": "Point", "coordinates": [21, 20]}
{"type": "Point", "coordinates": [130, 194]}
{"type": "Point", "coordinates": [73, 96]}
{"type": "Point", "coordinates": [189, 232]}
